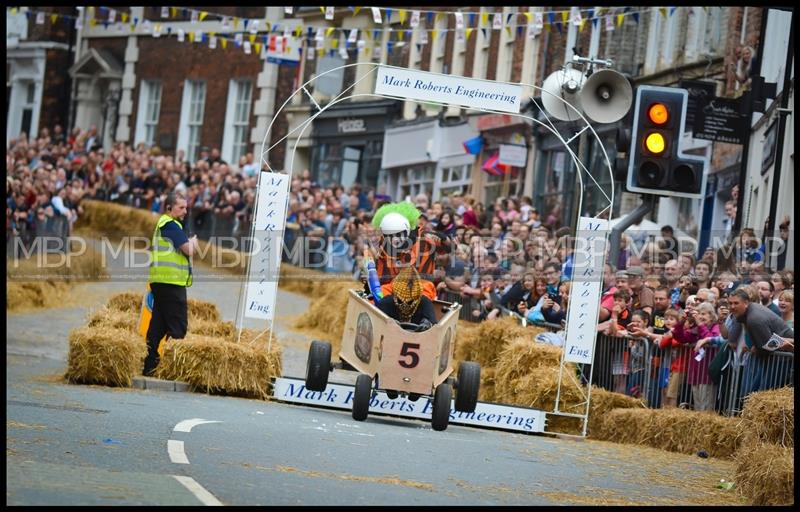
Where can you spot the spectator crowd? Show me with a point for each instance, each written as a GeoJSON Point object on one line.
{"type": "Point", "coordinates": [680, 318]}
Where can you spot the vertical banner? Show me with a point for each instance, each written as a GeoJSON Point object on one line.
{"type": "Point", "coordinates": [265, 256]}
{"type": "Point", "coordinates": [587, 287]}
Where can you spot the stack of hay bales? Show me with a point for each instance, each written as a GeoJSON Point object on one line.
{"type": "Point", "coordinates": [328, 311]}
{"type": "Point", "coordinates": [675, 430]}
{"type": "Point", "coordinates": [44, 281]}
{"type": "Point", "coordinates": [116, 221]}
{"type": "Point", "coordinates": [765, 460]}
{"type": "Point", "coordinates": [602, 402]}
{"type": "Point", "coordinates": [110, 351]}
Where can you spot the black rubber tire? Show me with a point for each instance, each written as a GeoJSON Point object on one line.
{"type": "Point", "coordinates": [440, 417]}
{"type": "Point", "coordinates": [469, 384]}
{"type": "Point", "coordinates": [362, 396]}
{"type": "Point", "coordinates": [318, 366]}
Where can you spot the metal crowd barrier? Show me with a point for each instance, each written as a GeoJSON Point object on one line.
{"type": "Point", "coordinates": [671, 376]}
{"type": "Point", "coordinates": [468, 304]}
{"type": "Point", "coordinates": [51, 236]}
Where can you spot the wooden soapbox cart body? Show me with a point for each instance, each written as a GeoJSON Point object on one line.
{"type": "Point", "coordinates": [397, 360]}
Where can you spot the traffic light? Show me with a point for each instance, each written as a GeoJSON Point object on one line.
{"type": "Point", "coordinates": [656, 164]}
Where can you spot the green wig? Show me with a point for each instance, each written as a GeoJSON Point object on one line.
{"type": "Point", "coordinates": [406, 209]}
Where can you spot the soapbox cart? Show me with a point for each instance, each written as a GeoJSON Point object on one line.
{"type": "Point", "coordinates": [391, 356]}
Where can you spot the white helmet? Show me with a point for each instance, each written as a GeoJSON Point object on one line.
{"type": "Point", "coordinates": [394, 223]}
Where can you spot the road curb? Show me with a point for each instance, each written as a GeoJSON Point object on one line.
{"type": "Point", "coordinates": [159, 384]}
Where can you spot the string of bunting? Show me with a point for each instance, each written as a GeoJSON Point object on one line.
{"type": "Point", "coordinates": [261, 33]}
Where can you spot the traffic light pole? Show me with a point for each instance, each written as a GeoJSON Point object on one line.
{"type": "Point", "coordinates": [634, 217]}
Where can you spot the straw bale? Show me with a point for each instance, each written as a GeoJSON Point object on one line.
{"type": "Point", "coordinates": [675, 430]}
{"type": "Point", "coordinates": [299, 280]}
{"type": "Point", "coordinates": [221, 258]}
{"type": "Point", "coordinates": [38, 294]}
{"type": "Point", "coordinates": [126, 302]}
{"type": "Point", "coordinates": [201, 310]}
{"type": "Point", "coordinates": [108, 317]}
{"type": "Point", "coordinates": [483, 343]}
{"type": "Point", "coordinates": [768, 417]}
{"type": "Point", "coordinates": [564, 425]}
{"type": "Point", "coordinates": [328, 311]}
{"type": "Point", "coordinates": [213, 329]}
{"type": "Point", "coordinates": [487, 391]}
{"type": "Point", "coordinates": [104, 355]}
{"type": "Point", "coordinates": [603, 401]}
{"type": "Point", "coordinates": [216, 365]}
{"type": "Point", "coordinates": [44, 280]}
{"type": "Point", "coordinates": [539, 387]}
{"type": "Point", "coordinates": [765, 473]}
{"type": "Point", "coordinates": [116, 220]}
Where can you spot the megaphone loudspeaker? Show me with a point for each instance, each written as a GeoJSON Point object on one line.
{"type": "Point", "coordinates": [564, 84]}
{"type": "Point", "coordinates": [606, 96]}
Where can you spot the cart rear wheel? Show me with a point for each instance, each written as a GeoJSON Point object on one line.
{"type": "Point", "coordinates": [361, 397]}
{"type": "Point", "coordinates": [318, 366]}
{"type": "Point", "coordinates": [469, 384]}
{"type": "Point", "coordinates": [441, 406]}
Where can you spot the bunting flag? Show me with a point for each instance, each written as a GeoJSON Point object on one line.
{"type": "Point", "coordinates": [497, 21]}
{"type": "Point", "coordinates": [609, 23]}
{"type": "Point", "coordinates": [388, 15]}
{"type": "Point", "coordinates": [181, 35]}
{"type": "Point", "coordinates": [484, 18]}
{"type": "Point", "coordinates": [112, 16]}
{"type": "Point", "coordinates": [212, 42]}
{"type": "Point", "coordinates": [538, 21]}
{"type": "Point", "coordinates": [414, 19]}
{"type": "Point", "coordinates": [40, 18]}
{"type": "Point", "coordinates": [402, 13]}
{"type": "Point", "coordinates": [565, 16]}
{"type": "Point", "coordinates": [376, 15]}
{"type": "Point", "coordinates": [53, 18]}
{"type": "Point", "coordinates": [356, 10]}
{"type": "Point", "coordinates": [620, 18]}
{"type": "Point", "coordinates": [636, 17]}
{"type": "Point", "coordinates": [459, 21]}
{"type": "Point", "coordinates": [468, 32]}
{"type": "Point", "coordinates": [473, 146]}
{"type": "Point", "coordinates": [328, 13]}
{"type": "Point", "coordinates": [582, 25]}
{"type": "Point", "coordinates": [203, 15]}
{"type": "Point", "coordinates": [224, 43]}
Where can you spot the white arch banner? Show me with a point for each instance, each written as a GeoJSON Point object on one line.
{"type": "Point", "coordinates": [411, 84]}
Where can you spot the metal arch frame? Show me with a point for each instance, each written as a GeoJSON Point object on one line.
{"type": "Point", "coordinates": [579, 165]}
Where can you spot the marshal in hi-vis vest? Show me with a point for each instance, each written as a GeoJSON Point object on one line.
{"type": "Point", "coordinates": [168, 264]}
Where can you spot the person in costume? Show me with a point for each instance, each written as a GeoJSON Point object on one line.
{"type": "Point", "coordinates": [403, 245]}
{"type": "Point", "coordinates": [407, 303]}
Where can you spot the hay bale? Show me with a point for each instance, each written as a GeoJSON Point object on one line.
{"type": "Point", "coordinates": [487, 391]}
{"type": "Point", "coordinates": [126, 302]}
{"type": "Point", "coordinates": [116, 319]}
{"type": "Point", "coordinates": [328, 312]}
{"type": "Point", "coordinates": [299, 280]}
{"type": "Point", "coordinates": [603, 401]}
{"type": "Point", "coordinates": [539, 387]}
{"type": "Point", "coordinates": [484, 343]}
{"type": "Point", "coordinates": [675, 430]}
{"type": "Point", "coordinates": [201, 310]}
{"type": "Point", "coordinates": [104, 355]}
{"type": "Point", "coordinates": [115, 220]}
{"type": "Point", "coordinates": [768, 417]}
{"type": "Point", "coordinates": [765, 473]}
{"type": "Point", "coordinates": [213, 329]}
{"type": "Point", "coordinates": [35, 295]}
{"type": "Point", "coordinates": [219, 366]}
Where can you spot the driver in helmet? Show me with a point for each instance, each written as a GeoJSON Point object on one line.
{"type": "Point", "coordinates": [407, 303]}
{"type": "Point", "coordinates": [403, 245]}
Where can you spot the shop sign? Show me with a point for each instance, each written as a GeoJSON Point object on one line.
{"type": "Point", "coordinates": [512, 154]}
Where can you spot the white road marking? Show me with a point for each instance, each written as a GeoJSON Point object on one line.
{"type": "Point", "coordinates": [175, 450]}
{"type": "Point", "coordinates": [187, 425]}
{"type": "Point", "coordinates": [200, 493]}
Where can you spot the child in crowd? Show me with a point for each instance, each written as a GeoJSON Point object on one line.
{"type": "Point", "coordinates": [703, 389]}
{"type": "Point", "coordinates": [636, 354]}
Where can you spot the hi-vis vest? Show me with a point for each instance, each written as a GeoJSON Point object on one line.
{"type": "Point", "coordinates": [168, 264]}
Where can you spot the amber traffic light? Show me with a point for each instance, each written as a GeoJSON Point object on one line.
{"type": "Point", "coordinates": [655, 163]}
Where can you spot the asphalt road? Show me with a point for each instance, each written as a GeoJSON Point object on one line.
{"type": "Point", "coordinates": [93, 445]}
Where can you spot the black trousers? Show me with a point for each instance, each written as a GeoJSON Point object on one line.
{"type": "Point", "coordinates": [170, 317]}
